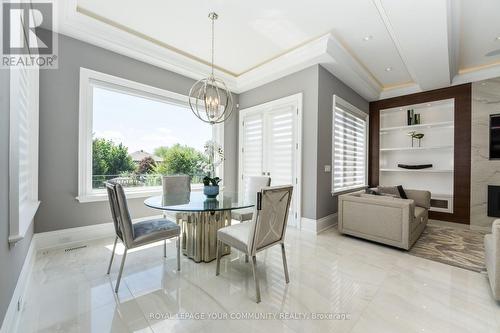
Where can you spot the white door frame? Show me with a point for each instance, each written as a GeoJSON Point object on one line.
{"type": "Point", "coordinates": [296, 101]}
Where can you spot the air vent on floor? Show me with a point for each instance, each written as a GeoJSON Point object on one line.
{"type": "Point", "coordinates": [71, 249]}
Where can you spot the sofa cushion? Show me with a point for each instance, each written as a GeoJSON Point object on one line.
{"type": "Point", "coordinates": [396, 191]}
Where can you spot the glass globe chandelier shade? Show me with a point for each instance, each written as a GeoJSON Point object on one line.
{"type": "Point", "coordinates": [209, 98]}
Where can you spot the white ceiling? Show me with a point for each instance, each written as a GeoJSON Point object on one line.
{"type": "Point", "coordinates": [426, 44]}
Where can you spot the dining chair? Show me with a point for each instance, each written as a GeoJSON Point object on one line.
{"type": "Point", "coordinates": [137, 234]}
{"type": "Point", "coordinates": [177, 184]}
{"type": "Point", "coordinates": [252, 185]}
{"type": "Point", "coordinates": [266, 229]}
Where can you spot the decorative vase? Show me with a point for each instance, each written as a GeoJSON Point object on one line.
{"type": "Point", "coordinates": [211, 191]}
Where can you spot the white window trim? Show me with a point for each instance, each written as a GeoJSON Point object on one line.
{"type": "Point", "coordinates": [22, 213]}
{"type": "Point", "coordinates": [87, 79]}
{"type": "Point", "coordinates": [338, 101]}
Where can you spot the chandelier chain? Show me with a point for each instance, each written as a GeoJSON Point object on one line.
{"type": "Point", "coordinates": [213, 41]}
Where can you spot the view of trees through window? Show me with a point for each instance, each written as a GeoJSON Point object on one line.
{"type": "Point", "coordinates": [136, 140]}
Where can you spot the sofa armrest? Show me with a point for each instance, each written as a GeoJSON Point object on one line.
{"type": "Point", "coordinates": [495, 231]}
{"type": "Point", "coordinates": [421, 198]}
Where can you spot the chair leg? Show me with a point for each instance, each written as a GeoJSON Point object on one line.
{"type": "Point", "coordinates": [254, 269]}
{"type": "Point", "coordinates": [285, 266]}
{"type": "Point", "coordinates": [179, 253]}
{"type": "Point", "coordinates": [121, 271]}
{"type": "Point", "coordinates": [217, 254]}
{"type": "Point", "coordinates": [164, 248]}
{"type": "Point", "coordinates": [112, 255]}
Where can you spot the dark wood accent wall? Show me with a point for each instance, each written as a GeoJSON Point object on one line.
{"type": "Point", "coordinates": [462, 160]}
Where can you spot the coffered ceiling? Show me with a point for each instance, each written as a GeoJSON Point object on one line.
{"type": "Point", "coordinates": [381, 48]}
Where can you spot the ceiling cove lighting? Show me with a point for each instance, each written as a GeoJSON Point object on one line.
{"type": "Point", "coordinates": [209, 98]}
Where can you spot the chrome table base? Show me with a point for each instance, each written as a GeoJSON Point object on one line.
{"type": "Point", "coordinates": [199, 234]}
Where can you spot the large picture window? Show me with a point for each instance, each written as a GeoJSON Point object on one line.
{"type": "Point", "coordinates": [134, 134]}
{"type": "Point", "coordinates": [349, 147]}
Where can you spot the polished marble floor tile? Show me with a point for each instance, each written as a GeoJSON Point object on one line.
{"type": "Point", "coordinates": [337, 284]}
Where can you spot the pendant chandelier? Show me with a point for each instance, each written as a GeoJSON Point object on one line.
{"type": "Point", "coordinates": [209, 98]}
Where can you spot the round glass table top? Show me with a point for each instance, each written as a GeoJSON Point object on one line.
{"type": "Point", "coordinates": [198, 202]}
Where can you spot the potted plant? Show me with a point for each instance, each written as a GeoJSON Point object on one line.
{"type": "Point", "coordinates": [211, 186]}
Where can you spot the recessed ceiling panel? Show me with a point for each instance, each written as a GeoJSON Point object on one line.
{"type": "Point", "coordinates": [250, 33]}
{"type": "Point", "coordinates": [480, 33]}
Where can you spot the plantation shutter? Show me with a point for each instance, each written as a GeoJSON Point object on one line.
{"type": "Point", "coordinates": [349, 150]}
{"type": "Point", "coordinates": [280, 152]}
{"type": "Point", "coordinates": [23, 187]}
{"type": "Point", "coordinates": [252, 149]}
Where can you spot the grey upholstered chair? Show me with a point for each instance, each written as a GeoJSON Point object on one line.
{"type": "Point", "coordinates": [253, 184]}
{"type": "Point", "coordinates": [175, 185]}
{"type": "Point", "coordinates": [492, 258]}
{"type": "Point", "coordinates": [267, 229]}
{"type": "Point", "coordinates": [137, 234]}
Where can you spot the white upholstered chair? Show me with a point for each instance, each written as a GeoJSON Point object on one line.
{"type": "Point", "coordinates": [137, 234]}
{"type": "Point", "coordinates": [266, 229]}
{"type": "Point", "coordinates": [252, 185]}
{"type": "Point", "coordinates": [492, 257]}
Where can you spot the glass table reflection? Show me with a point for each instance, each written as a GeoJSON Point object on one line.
{"type": "Point", "coordinates": [200, 218]}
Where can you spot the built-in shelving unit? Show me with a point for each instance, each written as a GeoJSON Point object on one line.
{"type": "Point", "coordinates": [416, 148]}
{"type": "Point", "coordinates": [415, 127]}
{"type": "Point", "coordinates": [436, 148]}
{"type": "Point", "coordinates": [417, 170]}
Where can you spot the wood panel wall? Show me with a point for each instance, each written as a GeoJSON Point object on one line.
{"type": "Point", "coordinates": [462, 159]}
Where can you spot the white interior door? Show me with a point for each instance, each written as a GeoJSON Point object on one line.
{"type": "Point", "coordinates": [270, 145]}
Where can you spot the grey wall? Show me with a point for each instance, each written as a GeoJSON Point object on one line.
{"type": "Point", "coordinates": [328, 86]}
{"type": "Point", "coordinates": [59, 97]}
{"type": "Point", "coordinates": [11, 259]}
{"type": "Point", "coordinates": [318, 87]}
{"type": "Point", "coordinates": [305, 82]}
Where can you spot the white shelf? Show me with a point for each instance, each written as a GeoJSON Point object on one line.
{"type": "Point", "coordinates": [416, 148]}
{"type": "Point", "coordinates": [448, 124]}
{"type": "Point", "coordinates": [418, 170]}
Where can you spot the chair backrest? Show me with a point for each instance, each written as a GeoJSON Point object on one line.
{"type": "Point", "coordinates": [270, 217]}
{"type": "Point", "coordinates": [176, 184]}
{"type": "Point", "coordinates": [254, 184]}
{"type": "Point", "coordinates": [123, 216]}
{"type": "Point", "coordinates": [113, 205]}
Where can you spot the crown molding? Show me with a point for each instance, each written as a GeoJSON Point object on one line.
{"type": "Point", "coordinates": [326, 50]}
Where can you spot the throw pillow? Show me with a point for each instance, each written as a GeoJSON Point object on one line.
{"type": "Point", "coordinates": [396, 191]}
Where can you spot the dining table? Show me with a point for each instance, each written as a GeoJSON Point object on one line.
{"type": "Point", "coordinates": [200, 217]}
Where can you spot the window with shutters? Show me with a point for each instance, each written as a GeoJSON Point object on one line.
{"type": "Point", "coordinates": [23, 147]}
{"type": "Point", "coordinates": [349, 147]}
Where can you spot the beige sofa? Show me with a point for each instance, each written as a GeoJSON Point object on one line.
{"type": "Point", "coordinates": [384, 219]}
{"type": "Point", "coordinates": [492, 254]}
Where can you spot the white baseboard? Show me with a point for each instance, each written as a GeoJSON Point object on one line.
{"type": "Point", "coordinates": [320, 225]}
{"type": "Point", "coordinates": [66, 237]}
{"type": "Point", "coordinates": [72, 236]}
{"type": "Point", "coordinates": [12, 316]}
